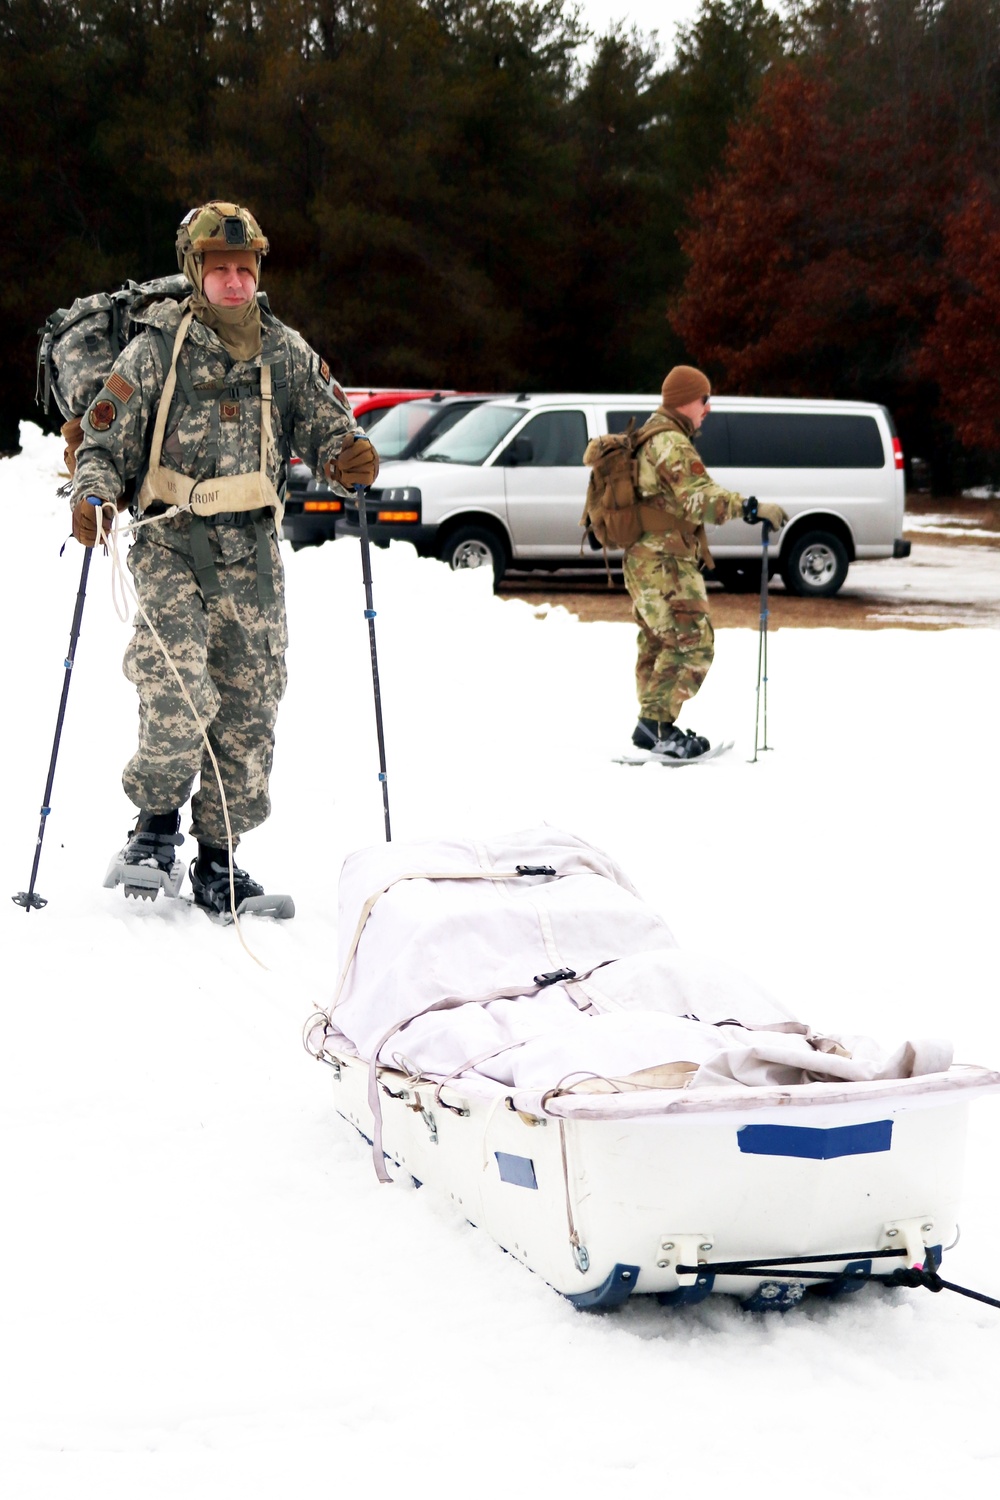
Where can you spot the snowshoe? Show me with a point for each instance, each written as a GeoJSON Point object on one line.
{"type": "Point", "coordinates": [650, 757]}
{"type": "Point", "coordinates": [210, 884]}
{"type": "Point", "coordinates": [667, 740]}
{"type": "Point", "coordinates": [148, 864]}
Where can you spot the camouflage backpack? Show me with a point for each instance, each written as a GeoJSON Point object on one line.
{"type": "Point", "coordinates": [78, 345]}
{"type": "Point", "coordinates": [611, 510]}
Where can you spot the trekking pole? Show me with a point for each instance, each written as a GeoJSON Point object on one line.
{"type": "Point", "coordinates": [28, 899]}
{"type": "Point", "coordinates": [762, 646]}
{"type": "Point", "coordinates": [366, 570]}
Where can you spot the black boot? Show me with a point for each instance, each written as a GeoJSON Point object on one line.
{"type": "Point", "coordinates": [154, 840]}
{"type": "Point", "coordinates": [679, 744]}
{"type": "Point", "coordinates": [647, 732]}
{"type": "Point", "coordinates": [210, 881]}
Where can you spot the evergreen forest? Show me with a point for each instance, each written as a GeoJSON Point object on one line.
{"type": "Point", "coordinates": [479, 194]}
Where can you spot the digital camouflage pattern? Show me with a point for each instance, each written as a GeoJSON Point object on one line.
{"type": "Point", "coordinates": [217, 435]}
{"type": "Point", "coordinates": [229, 652]}
{"type": "Point", "coordinates": [79, 344]}
{"type": "Point", "coordinates": [662, 574]}
{"type": "Point", "coordinates": [228, 645]}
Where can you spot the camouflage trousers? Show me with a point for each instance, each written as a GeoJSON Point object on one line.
{"type": "Point", "coordinates": [676, 639]}
{"type": "Point", "coordinates": [229, 651]}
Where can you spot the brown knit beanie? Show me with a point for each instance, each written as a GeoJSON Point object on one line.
{"type": "Point", "coordinates": [684, 384]}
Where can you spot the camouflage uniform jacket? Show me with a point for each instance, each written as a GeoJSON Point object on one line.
{"type": "Point", "coordinates": [216, 436]}
{"type": "Point", "coordinates": [673, 481]}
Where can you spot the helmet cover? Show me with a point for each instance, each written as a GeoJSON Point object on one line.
{"type": "Point", "coordinates": [219, 226]}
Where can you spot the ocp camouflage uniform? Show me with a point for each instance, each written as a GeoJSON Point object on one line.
{"type": "Point", "coordinates": [213, 588]}
{"type": "Point", "coordinates": [662, 573]}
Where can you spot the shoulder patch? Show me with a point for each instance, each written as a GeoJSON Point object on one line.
{"type": "Point", "coordinates": [101, 415]}
{"type": "Point", "coordinates": [324, 370]}
{"type": "Point", "coordinates": [119, 387]}
{"type": "Point", "coordinates": [341, 394]}
{"type": "Point", "coordinates": [697, 467]}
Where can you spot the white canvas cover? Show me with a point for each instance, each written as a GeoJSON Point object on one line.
{"type": "Point", "coordinates": [443, 946]}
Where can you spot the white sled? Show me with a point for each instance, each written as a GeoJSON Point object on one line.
{"type": "Point", "coordinates": [535, 1047]}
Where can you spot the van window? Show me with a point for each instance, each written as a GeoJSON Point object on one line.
{"type": "Point", "coordinates": [799, 440]}
{"type": "Point", "coordinates": [557, 440]}
{"type": "Point", "coordinates": [474, 436]}
{"type": "Point", "coordinates": [619, 420]}
{"type": "Point", "coordinates": [711, 439]}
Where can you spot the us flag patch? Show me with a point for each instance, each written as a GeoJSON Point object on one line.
{"type": "Point", "coordinates": [119, 387]}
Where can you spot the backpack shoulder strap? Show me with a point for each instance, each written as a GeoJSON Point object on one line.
{"type": "Point", "coordinates": [650, 428]}
{"type": "Point", "coordinates": [280, 378]}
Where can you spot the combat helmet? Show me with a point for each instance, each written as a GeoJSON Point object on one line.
{"type": "Point", "coordinates": [219, 226]}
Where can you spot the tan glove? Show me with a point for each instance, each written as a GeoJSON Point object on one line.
{"type": "Point", "coordinates": [356, 463]}
{"type": "Point", "coordinates": [72, 432]}
{"type": "Point", "coordinates": [755, 510]}
{"type": "Point", "coordinates": [85, 519]}
{"type": "Point", "coordinates": [768, 511]}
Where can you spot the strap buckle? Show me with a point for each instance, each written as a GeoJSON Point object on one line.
{"type": "Point", "coordinates": [554, 976]}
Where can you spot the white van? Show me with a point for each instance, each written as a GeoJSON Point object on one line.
{"type": "Point", "coordinates": [505, 486]}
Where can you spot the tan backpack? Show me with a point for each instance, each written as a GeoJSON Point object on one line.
{"type": "Point", "coordinates": [611, 510]}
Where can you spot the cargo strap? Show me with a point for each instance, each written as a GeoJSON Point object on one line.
{"type": "Point", "coordinates": [204, 563]}
{"type": "Point", "coordinates": [265, 573]}
{"type": "Point", "coordinates": [450, 1002]}
{"type": "Point", "coordinates": [577, 865]}
{"type": "Point", "coordinates": [207, 574]}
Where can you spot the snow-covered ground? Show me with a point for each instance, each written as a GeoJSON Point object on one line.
{"type": "Point", "coordinates": [207, 1294]}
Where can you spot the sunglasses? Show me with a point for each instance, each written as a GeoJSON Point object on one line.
{"type": "Point", "coordinates": [705, 400]}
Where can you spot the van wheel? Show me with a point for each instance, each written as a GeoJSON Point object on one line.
{"type": "Point", "coordinates": [816, 565]}
{"type": "Point", "coordinates": [475, 547]}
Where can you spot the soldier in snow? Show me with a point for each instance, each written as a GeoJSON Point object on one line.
{"type": "Point", "coordinates": [194, 423]}
{"type": "Point", "coordinates": [663, 568]}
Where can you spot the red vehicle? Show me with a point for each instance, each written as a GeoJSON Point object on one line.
{"type": "Point", "coordinates": [369, 405]}
{"type": "Point", "coordinates": [310, 505]}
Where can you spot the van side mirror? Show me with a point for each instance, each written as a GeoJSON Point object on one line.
{"type": "Point", "coordinates": [520, 451]}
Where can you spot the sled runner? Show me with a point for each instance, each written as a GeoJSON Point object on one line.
{"type": "Point", "coordinates": [516, 1028]}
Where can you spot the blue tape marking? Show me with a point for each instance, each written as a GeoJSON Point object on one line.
{"type": "Point", "coordinates": [381, 776]}
{"type": "Point", "coordinates": [369, 614]}
{"type": "Point", "coordinates": [520, 1170]}
{"type": "Point", "coordinates": [814, 1144]}
{"type": "Point", "coordinates": [68, 663]}
{"type": "Point", "coordinates": [46, 811]}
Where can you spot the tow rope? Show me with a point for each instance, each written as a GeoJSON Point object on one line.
{"type": "Point", "coordinates": [909, 1276]}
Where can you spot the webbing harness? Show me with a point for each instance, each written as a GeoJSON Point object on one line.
{"type": "Point", "coordinates": [249, 495]}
